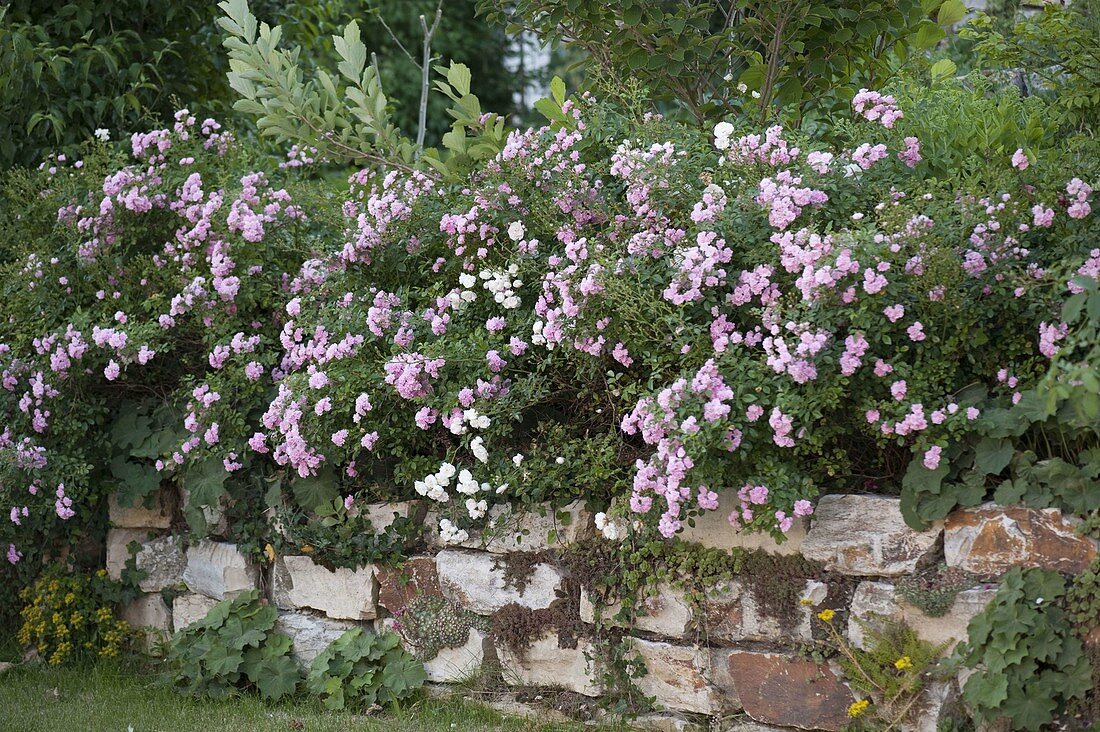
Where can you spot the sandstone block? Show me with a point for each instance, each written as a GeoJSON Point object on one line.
{"type": "Point", "coordinates": [311, 633]}
{"type": "Point", "coordinates": [382, 515]}
{"type": "Point", "coordinates": [665, 613]}
{"type": "Point", "coordinates": [299, 582]}
{"type": "Point", "coordinates": [219, 570]}
{"type": "Point", "coordinates": [679, 678]}
{"type": "Point", "coordinates": [544, 663]}
{"type": "Point", "coordinates": [151, 617]}
{"type": "Point", "coordinates": [471, 580]}
{"type": "Point", "coordinates": [712, 529]}
{"type": "Point", "coordinates": [879, 599]}
{"type": "Point", "coordinates": [992, 539]}
{"type": "Point", "coordinates": [454, 665]}
{"type": "Point", "coordinates": [508, 530]}
{"type": "Point", "coordinates": [866, 535]}
{"type": "Point", "coordinates": [732, 613]}
{"type": "Point", "coordinates": [775, 689]}
{"type": "Point", "coordinates": [188, 608]}
{"type": "Point", "coordinates": [118, 551]}
{"type": "Point", "coordinates": [398, 586]}
{"type": "Point", "coordinates": [138, 516]}
{"type": "Point", "coordinates": [163, 561]}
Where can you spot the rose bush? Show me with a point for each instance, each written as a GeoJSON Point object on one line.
{"type": "Point", "coordinates": [614, 306]}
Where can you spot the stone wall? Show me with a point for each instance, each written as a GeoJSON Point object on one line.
{"type": "Point", "coordinates": [723, 655]}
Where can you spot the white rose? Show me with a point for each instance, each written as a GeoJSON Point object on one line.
{"type": "Point", "coordinates": [723, 130]}
{"type": "Point", "coordinates": [467, 280]}
{"type": "Point", "coordinates": [477, 447]}
{"type": "Point", "coordinates": [516, 230]}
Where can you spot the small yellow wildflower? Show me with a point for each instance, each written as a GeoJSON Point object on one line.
{"type": "Point", "coordinates": [269, 552]}
{"type": "Point", "coordinates": [306, 549]}
{"type": "Point", "coordinates": [858, 708]}
{"type": "Point", "coordinates": [903, 663]}
{"type": "Point", "coordinates": [827, 615]}
{"type": "Point", "coordinates": [806, 601]}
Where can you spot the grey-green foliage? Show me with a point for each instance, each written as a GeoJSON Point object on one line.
{"type": "Point", "coordinates": [345, 114]}
{"type": "Point", "coordinates": [233, 648]}
{"type": "Point", "coordinates": [1028, 663]}
{"type": "Point", "coordinates": [359, 669]}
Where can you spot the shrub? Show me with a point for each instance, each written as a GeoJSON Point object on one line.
{"type": "Point", "coordinates": [360, 669]}
{"type": "Point", "coordinates": [233, 648]}
{"type": "Point", "coordinates": [68, 617]}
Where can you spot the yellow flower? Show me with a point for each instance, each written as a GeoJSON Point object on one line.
{"type": "Point", "coordinates": [806, 601]}
{"type": "Point", "coordinates": [903, 663]}
{"type": "Point", "coordinates": [858, 708]}
{"type": "Point", "coordinates": [269, 552]}
{"type": "Point", "coordinates": [306, 549]}
{"type": "Point", "coordinates": [101, 573]}
{"type": "Point", "coordinates": [826, 615]}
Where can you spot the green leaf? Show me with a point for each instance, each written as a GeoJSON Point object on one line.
{"type": "Point", "coordinates": [943, 69]}
{"type": "Point", "coordinates": [205, 482]}
{"type": "Point", "coordinates": [951, 12]}
{"type": "Point", "coordinates": [557, 90]}
{"type": "Point", "coordinates": [992, 455]}
{"type": "Point", "coordinates": [311, 492]}
{"type": "Point", "coordinates": [276, 677]}
{"type": "Point", "coordinates": [928, 35]}
{"type": "Point", "coordinates": [459, 77]}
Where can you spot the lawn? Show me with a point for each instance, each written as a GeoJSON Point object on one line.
{"type": "Point", "coordinates": [106, 699]}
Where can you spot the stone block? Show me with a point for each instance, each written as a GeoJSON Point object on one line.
{"type": "Point", "coordinates": [934, 708]}
{"type": "Point", "coordinates": [299, 582]}
{"type": "Point", "coordinates": [992, 539]}
{"type": "Point", "coordinates": [545, 663]}
{"type": "Point", "coordinates": [118, 552]}
{"type": "Point", "coordinates": [163, 561]}
{"type": "Point", "coordinates": [866, 535]}
{"type": "Point", "coordinates": [879, 599]}
{"type": "Point", "coordinates": [156, 516]}
{"type": "Point", "coordinates": [658, 722]}
{"type": "Point", "coordinates": [397, 586]}
{"type": "Point", "coordinates": [311, 633]}
{"type": "Point", "coordinates": [382, 515]}
{"type": "Point", "coordinates": [188, 608]}
{"type": "Point", "coordinates": [666, 612]}
{"type": "Point", "coordinates": [217, 523]}
{"type": "Point", "coordinates": [712, 529]}
{"type": "Point", "coordinates": [472, 581]}
{"type": "Point", "coordinates": [219, 570]}
{"type": "Point", "coordinates": [455, 665]}
{"type": "Point", "coordinates": [679, 678]}
{"type": "Point", "coordinates": [151, 617]}
{"type": "Point", "coordinates": [507, 530]}
{"type": "Point", "coordinates": [732, 613]}
{"type": "Point", "coordinates": [790, 692]}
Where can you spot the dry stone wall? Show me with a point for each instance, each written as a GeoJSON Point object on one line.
{"type": "Point", "coordinates": [722, 655]}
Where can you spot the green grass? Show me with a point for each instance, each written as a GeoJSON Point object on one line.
{"type": "Point", "coordinates": [117, 698]}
